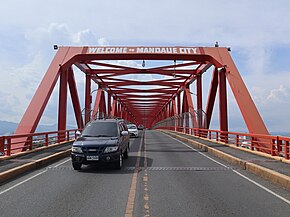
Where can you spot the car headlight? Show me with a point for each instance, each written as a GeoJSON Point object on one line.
{"type": "Point", "coordinates": [111, 149]}
{"type": "Point", "coordinates": [76, 149]}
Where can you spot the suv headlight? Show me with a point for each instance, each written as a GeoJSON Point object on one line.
{"type": "Point", "coordinates": [111, 149]}
{"type": "Point", "coordinates": [76, 149]}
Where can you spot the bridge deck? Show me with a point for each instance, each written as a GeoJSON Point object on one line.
{"type": "Point", "coordinates": [171, 179]}
{"type": "Point", "coordinates": [271, 164]}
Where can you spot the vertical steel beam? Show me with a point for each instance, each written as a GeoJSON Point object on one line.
{"type": "Point", "coordinates": [119, 109]}
{"type": "Point", "coordinates": [119, 113]}
{"type": "Point", "coordinates": [109, 106]}
{"type": "Point", "coordinates": [179, 110]}
{"type": "Point", "coordinates": [174, 114]}
{"type": "Point", "coordinates": [102, 106]}
{"type": "Point", "coordinates": [125, 113]}
{"type": "Point", "coordinates": [211, 98]}
{"type": "Point", "coordinates": [62, 105]}
{"type": "Point", "coordinates": [184, 104]}
{"type": "Point", "coordinates": [75, 98]}
{"type": "Point", "coordinates": [223, 107]}
{"type": "Point", "coordinates": [199, 99]}
{"type": "Point", "coordinates": [88, 98]}
{"type": "Point", "coordinates": [178, 104]}
{"type": "Point", "coordinates": [97, 104]}
{"type": "Point", "coordinates": [190, 107]}
{"type": "Point", "coordinates": [184, 122]}
{"type": "Point", "coordinates": [114, 108]}
{"type": "Point", "coordinates": [62, 100]}
{"type": "Point", "coordinates": [174, 107]}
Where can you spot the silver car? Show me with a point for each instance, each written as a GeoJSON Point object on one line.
{"type": "Point", "coordinates": [133, 131]}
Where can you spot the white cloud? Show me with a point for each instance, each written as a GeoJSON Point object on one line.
{"type": "Point", "coordinates": [21, 81]}
{"type": "Point", "coordinates": [103, 42]}
{"type": "Point", "coordinates": [271, 94]}
{"type": "Point", "coordinates": [87, 37]}
{"type": "Point", "coordinates": [278, 95]}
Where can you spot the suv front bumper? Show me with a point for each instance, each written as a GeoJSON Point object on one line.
{"type": "Point", "coordinates": [105, 158]}
{"type": "Point", "coordinates": [135, 134]}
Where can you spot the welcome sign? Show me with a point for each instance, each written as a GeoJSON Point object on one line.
{"type": "Point", "coordinates": [143, 50]}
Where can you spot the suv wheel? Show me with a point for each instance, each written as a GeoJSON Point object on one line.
{"type": "Point", "coordinates": [77, 166]}
{"type": "Point", "coordinates": [119, 163]}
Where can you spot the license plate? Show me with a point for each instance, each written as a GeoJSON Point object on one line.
{"type": "Point", "coordinates": [92, 158]}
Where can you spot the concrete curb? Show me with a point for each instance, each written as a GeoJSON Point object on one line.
{"type": "Point", "coordinates": [277, 158]}
{"type": "Point", "coordinates": [268, 174]}
{"type": "Point", "coordinates": [273, 176]}
{"type": "Point", "coordinates": [14, 172]}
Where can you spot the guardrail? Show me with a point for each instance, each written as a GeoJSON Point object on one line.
{"type": "Point", "coordinates": [22, 142]}
{"type": "Point", "coordinates": [273, 145]}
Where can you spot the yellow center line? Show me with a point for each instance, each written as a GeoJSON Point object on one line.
{"type": "Point", "coordinates": [145, 183]}
{"type": "Point", "coordinates": [131, 198]}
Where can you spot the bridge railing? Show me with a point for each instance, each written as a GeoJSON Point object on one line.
{"type": "Point", "coordinates": [23, 142]}
{"type": "Point", "coordinates": [273, 145]}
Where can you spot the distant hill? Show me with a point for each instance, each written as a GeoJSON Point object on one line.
{"type": "Point", "coordinates": [287, 134]}
{"type": "Point", "coordinates": [8, 128]}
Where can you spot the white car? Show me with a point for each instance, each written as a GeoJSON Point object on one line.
{"type": "Point", "coordinates": [133, 131]}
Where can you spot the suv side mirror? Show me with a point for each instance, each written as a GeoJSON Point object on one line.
{"type": "Point", "coordinates": [124, 133]}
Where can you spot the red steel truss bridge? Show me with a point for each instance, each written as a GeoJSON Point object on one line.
{"type": "Point", "coordinates": [162, 100]}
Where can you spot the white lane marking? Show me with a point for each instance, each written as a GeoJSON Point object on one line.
{"type": "Point", "coordinates": [62, 163]}
{"type": "Point", "coordinates": [20, 183]}
{"type": "Point", "coordinates": [200, 152]}
{"type": "Point", "coordinates": [263, 187]}
{"type": "Point", "coordinates": [32, 177]}
{"type": "Point", "coordinates": [236, 172]}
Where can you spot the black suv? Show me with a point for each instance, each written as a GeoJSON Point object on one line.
{"type": "Point", "coordinates": [101, 141]}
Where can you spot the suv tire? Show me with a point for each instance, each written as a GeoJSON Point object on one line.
{"type": "Point", "coordinates": [77, 166]}
{"type": "Point", "coordinates": [119, 163]}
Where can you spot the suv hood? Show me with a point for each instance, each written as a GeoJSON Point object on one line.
{"type": "Point", "coordinates": [93, 141]}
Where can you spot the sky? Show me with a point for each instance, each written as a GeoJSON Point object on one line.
{"type": "Point", "coordinates": [258, 33]}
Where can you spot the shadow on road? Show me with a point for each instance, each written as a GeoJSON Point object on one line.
{"type": "Point", "coordinates": [106, 168]}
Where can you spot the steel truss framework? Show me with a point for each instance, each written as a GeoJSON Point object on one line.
{"type": "Point", "coordinates": [127, 98]}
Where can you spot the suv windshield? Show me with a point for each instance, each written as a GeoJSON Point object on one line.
{"type": "Point", "coordinates": [132, 127]}
{"type": "Point", "coordinates": [100, 129]}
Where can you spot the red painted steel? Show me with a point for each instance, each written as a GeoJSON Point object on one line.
{"type": "Point", "coordinates": [199, 99]}
{"type": "Point", "coordinates": [75, 99]}
{"type": "Point", "coordinates": [62, 104]}
{"type": "Point", "coordinates": [143, 102]}
{"type": "Point", "coordinates": [247, 107]}
{"type": "Point", "coordinates": [223, 108]}
{"type": "Point", "coordinates": [211, 98]}
{"type": "Point", "coordinates": [88, 98]}
{"type": "Point", "coordinates": [97, 103]}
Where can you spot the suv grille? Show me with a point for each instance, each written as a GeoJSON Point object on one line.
{"type": "Point", "coordinates": [94, 150]}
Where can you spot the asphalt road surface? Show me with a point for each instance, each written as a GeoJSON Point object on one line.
{"type": "Point", "coordinates": [162, 177]}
